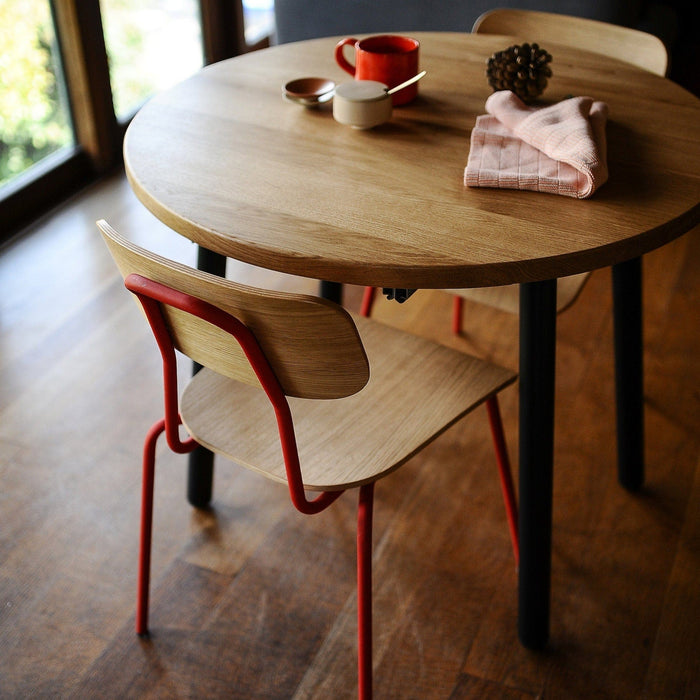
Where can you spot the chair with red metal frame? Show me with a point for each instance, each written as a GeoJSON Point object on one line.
{"type": "Point", "coordinates": [631, 45]}
{"type": "Point", "coordinates": [270, 361]}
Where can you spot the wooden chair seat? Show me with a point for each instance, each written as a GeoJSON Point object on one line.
{"type": "Point", "coordinates": [416, 390]}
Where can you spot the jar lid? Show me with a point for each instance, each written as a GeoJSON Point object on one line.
{"type": "Point", "coordinates": [362, 91]}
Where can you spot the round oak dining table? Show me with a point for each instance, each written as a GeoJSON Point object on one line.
{"type": "Point", "coordinates": [223, 159]}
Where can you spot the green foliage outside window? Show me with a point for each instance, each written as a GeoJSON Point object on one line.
{"type": "Point", "coordinates": [125, 40]}
{"type": "Point", "coordinates": [151, 44]}
{"type": "Point", "coordinates": [34, 121]}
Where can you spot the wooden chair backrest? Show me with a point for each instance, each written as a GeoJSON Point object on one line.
{"type": "Point", "coordinates": [312, 345]}
{"type": "Point", "coordinates": [630, 45]}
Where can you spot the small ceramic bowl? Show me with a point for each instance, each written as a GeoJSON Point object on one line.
{"type": "Point", "coordinates": [309, 92]}
{"type": "Point", "coordinates": [362, 104]}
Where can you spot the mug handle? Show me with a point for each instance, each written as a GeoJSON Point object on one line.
{"type": "Point", "coordinates": [340, 57]}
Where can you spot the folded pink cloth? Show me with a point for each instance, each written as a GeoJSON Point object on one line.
{"type": "Point", "coordinates": [559, 149]}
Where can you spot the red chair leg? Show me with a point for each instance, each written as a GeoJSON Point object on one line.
{"type": "Point", "coordinates": [504, 471]}
{"type": "Point", "coordinates": [456, 315]}
{"type": "Point", "coordinates": [367, 301]}
{"type": "Point", "coordinates": [364, 591]}
{"type": "Point", "coordinates": [149, 461]}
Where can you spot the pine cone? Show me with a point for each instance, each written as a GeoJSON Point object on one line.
{"type": "Point", "coordinates": [523, 69]}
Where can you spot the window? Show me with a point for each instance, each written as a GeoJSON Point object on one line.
{"type": "Point", "coordinates": [35, 120]}
{"type": "Point", "coordinates": [73, 72]}
{"type": "Point", "coordinates": [258, 20]}
{"type": "Point", "coordinates": [151, 45]}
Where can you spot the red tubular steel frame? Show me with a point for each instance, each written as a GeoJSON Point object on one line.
{"type": "Point", "coordinates": [151, 295]}
{"type": "Point", "coordinates": [457, 305]}
{"type": "Point", "coordinates": [494, 412]}
{"type": "Point", "coordinates": [456, 314]}
{"type": "Point", "coordinates": [367, 301]}
{"type": "Point", "coordinates": [364, 590]}
{"type": "Point", "coordinates": [504, 472]}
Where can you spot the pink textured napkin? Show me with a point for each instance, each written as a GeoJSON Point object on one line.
{"type": "Point", "coordinates": [559, 149]}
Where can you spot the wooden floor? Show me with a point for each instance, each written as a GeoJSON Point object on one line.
{"type": "Point", "coordinates": [253, 600]}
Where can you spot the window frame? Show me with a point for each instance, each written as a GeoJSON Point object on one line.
{"type": "Point", "coordinates": [98, 132]}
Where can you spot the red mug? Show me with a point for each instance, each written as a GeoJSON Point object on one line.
{"type": "Point", "coordinates": [388, 59]}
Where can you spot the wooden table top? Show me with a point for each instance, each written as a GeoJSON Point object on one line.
{"type": "Point", "coordinates": [224, 160]}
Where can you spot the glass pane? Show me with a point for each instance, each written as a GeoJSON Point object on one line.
{"type": "Point", "coordinates": [34, 114]}
{"type": "Point", "coordinates": [259, 19]}
{"type": "Point", "coordinates": [151, 44]}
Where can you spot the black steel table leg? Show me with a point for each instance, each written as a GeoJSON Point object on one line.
{"type": "Point", "coordinates": [200, 476]}
{"type": "Point", "coordinates": [537, 364]}
{"type": "Point", "coordinates": [629, 372]}
{"type": "Point", "coordinates": [333, 291]}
